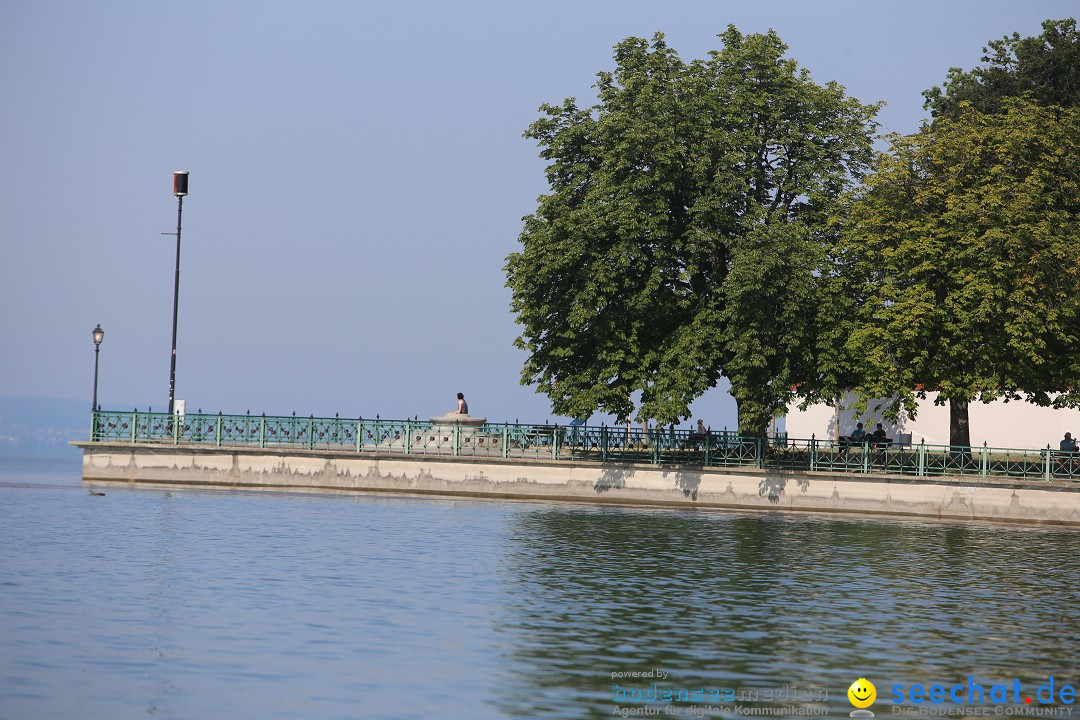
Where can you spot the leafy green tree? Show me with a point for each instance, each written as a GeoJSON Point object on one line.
{"type": "Point", "coordinates": [624, 282]}
{"type": "Point", "coordinates": [770, 296]}
{"type": "Point", "coordinates": [1045, 67]}
{"type": "Point", "coordinates": [966, 241]}
{"type": "Point", "coordinates": [596, 279]}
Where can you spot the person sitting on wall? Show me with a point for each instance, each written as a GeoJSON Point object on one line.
{"type": "Point", "coordinates": [1068, 444]}
{"type": "Point", "coordinates": [462, 406]}
{"type": "Point", "coordinates": [879, 434]}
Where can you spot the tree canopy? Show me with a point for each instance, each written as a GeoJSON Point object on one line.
{"type": "Point", "coordinates": [689, 202]}
{"type": "Point", "coordinates": [1045, 67]}
{"type": "Point", "coordinates": [966, 244]}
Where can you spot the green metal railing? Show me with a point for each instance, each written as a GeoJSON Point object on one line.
{"type": "Point", "coordinates": [604, 443]}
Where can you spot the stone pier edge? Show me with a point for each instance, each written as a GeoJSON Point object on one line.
{"type": "Point", "coordinates": [951, 498]}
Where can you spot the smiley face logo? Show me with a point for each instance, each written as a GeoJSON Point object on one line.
{"type": "Point", "coordinates": [862, 693]}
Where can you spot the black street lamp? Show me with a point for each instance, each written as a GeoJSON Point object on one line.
{"type": "Point", "coordinates": [99, 335]}
{"type": "Point", "coordinates": [180, 185]}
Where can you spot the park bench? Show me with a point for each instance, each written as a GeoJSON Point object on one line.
{"type": "Point", "coordinates": [1063, 462]}
{"type": "Point", "coordinates": [902, 440]}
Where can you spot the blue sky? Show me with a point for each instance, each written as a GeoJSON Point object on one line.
{"type": "Point", "coordinates": [358, 177]}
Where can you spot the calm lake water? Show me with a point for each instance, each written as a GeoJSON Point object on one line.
{"type": "Point", "coordinates": [215, 604]}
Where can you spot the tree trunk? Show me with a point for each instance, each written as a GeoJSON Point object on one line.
{"type": "Point", "coordinates": [959, 428]}
{"type": "Point", "coordinates": [837, 410]}
{"type": "Point", "coordinates": [749, 424]}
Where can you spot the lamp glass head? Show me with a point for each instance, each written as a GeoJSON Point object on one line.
{"type": "Point", "coordinates": [179, 183]}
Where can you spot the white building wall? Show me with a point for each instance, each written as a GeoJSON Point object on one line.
{"type": "Point", "coordinates": [998, 424]}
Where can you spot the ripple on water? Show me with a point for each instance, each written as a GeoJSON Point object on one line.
{"type": "Point", "coordinates": [214, 604]}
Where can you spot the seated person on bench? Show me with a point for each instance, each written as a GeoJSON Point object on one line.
{"type": "Point", "coordinates": [858, 435]}
{"type": "Point", "coordinates": [697, 437]}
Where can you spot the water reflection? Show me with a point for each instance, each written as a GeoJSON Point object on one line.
{"type": "Point", "coordinates": [773, 601]}
{"type": "Point", "coordinates": [266, 605]}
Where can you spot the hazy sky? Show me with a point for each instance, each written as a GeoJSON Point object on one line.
{"type": "Point", "coordinates": [358, 177]}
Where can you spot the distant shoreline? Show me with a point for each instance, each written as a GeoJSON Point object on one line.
{"type": "Point", "coordinates": [63, 462]}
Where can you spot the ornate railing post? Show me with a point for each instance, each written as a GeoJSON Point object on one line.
{"type": "Point", "coordinates": [311, 432]}
{"type": "Point", "coordinates": [217, 430]}
{"type": "Point", "coordinates": [506, 440]}
{"type": "Point", "coordinates": [456, 440]}
{"type": "Point", "coordinates": [1047, 465]}
{"type": "Point", "coordinates": [176, 429]}
{"type": "Point", "coordinates": [135, 424]}
{"type": "Point", "coordinates": [555, 443]}
{"type": "Point", "coordinates": [408, 437]}
{"type": "Point", "coordinates": [655, 442]}
{"type": "Point", "coordinates": [813, 452]}
{"type": "Point", "coordinates": [865, 457]}
{"type": "Point", "coordinates": [759, 452]}
{"type": "Point", "coordinates": [708, 446]}
{"type": "Point", "coordinates": [921, 471]}
{"type": "Point", "coordinates": [984, 461]}
{"type": "Point", "coordinates": [262, 431]}
{"type": "Point", "coordinates": [603, 442]}
{"type": "Point", "coordinates": [359, 434]}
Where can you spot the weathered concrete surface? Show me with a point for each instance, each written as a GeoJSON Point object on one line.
{"type": "Point", "coordinates": [736, 488]}
{"type": "Point", "coordinates": [458, 419]}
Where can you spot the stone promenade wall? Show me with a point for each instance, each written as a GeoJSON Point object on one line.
{"type": "Point", "coordinates": [735, 488]}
